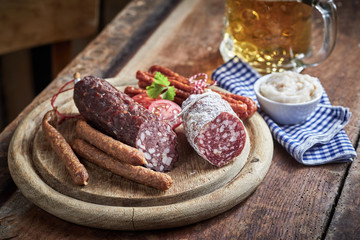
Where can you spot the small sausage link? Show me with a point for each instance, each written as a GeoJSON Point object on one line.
{"type": "Point", "coordinates": [58, 143]}
{"type": "Point", "coordinates": [168, 73]}
{"type": "Point", "coordinates": [132, 91]}
{"type": "Point", "coordinates": [173, 82]}
{"type": "Point", "coordinates": [138, 174]}
{"type": "Point", "coordinates": [251, 105]}
{"type": "Point", "coordinates": [244, 107]}
{"type": "Point", "coordinates": [113, 147]}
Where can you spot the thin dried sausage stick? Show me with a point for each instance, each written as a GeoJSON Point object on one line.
{"type": "Point", "coordinates": [149, 77]}
{"type": "Point", "coordinates": [237, 106]}
{"type": "Point", "coordinates": [137, 174]}
{"type": "Point", "coordinates": [168, 73]}
{"type": "Point", "coordinates": [143, 84]}
{"type": "Point", "coordinates": [58, 143]}
{"type": "Point", "coordinates": [180, 95]}
{"type": "Point", "coordinates": [178, 100]}
{"type": "Point", "coordinates": [140, 75]}
{"type": "Point", "coordinates": [114, 148]}
{"type": "Point", "coordinates": [240, 108]}
{"type": "Point", "coordinates": [132, 91]}
{"type": "Point", "coordinates": [185, 86]}
{"type": "Point", "coordinates": [165, 71]}
{"type": "Point", "coordinates": [244, 107]}
{"type": "Point", "coordinates": [178, 92]}
{"type": "Point", "coordinates": [251, 104]}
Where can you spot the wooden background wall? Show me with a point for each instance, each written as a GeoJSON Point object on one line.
{"type": "Point", "coordinates": [27, 63]}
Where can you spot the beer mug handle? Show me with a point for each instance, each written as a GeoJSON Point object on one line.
{"type": "Point", "coordinates": [327, 8]}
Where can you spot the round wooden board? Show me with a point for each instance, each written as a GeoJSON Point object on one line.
{"type": "Point", "coordinates": [200, 191]}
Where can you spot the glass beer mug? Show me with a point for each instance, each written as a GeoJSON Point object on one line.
{"type": "Point", "coordinates": [275, 35]}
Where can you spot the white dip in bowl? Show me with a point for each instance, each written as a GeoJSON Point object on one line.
{"type": "Point", "coordinates": [288, 97]}
{"type": "Point", "coordinates": [290, 87]}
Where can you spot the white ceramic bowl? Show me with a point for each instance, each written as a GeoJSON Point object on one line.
{"type": "Point", "coordinates": [285, 113]}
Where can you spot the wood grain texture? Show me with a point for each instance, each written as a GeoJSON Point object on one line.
{"type": "Point", "coordinates": [34, 23]}
{"type": "Point", "coordinates": [173, 43]}
{"type": "Point", "coordinates": [293, 201]}
{"type": "Point", "coordinates": [345, 224]}
{"type": "Point", "coordinates": [200, 190]}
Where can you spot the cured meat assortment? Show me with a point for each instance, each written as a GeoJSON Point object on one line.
{"type": "Point", "coordinates": [119, 116]}
{"type": "Point", "coordinates": [212, 128]}
{"type": "Point", "coordinates": [244, 107]}
{"type": "Point", "coordinates": [125, 132]}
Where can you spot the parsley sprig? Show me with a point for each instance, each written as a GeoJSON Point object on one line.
{"type": "Point", "coordinates": [161, 85]}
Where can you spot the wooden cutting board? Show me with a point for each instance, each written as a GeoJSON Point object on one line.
{"type": "Point", "coordinates": [199, 191]}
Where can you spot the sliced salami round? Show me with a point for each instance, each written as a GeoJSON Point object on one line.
{"type": "Point", "coordinates": [158, 143]}
{"type": "Point", "coordinates": [212, 128]}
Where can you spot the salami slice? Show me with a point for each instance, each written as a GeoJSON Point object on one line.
{"type": "Point", "coordinates": [116, 114]}
{"type": "Point", "coordinates": [212, 128]}
{"type": "Point", "coordinates": [153, 140]}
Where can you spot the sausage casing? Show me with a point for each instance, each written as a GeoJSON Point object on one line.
{"type": "Point", "coordinates": [58, 143]}
{"type": "Point", "coordinates": [109, 145]}
{"type": "Point", "coordinates": [138, 174]}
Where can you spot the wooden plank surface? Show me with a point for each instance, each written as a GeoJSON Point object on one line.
{"type": "Point", "coordinates": [32, 23]}
{"type": "Point", "coordinates": [293, 202]}
{"type": "Point", "coordinates": [345, 223]}
{"type": "Point", "coordinates": [187, 42]}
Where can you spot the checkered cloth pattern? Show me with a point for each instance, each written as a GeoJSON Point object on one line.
{"type": "Point", "coordinates": [320, 140]}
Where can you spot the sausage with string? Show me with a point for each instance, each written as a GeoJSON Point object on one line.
{"type": "Point", "coordinates": [212, 128]}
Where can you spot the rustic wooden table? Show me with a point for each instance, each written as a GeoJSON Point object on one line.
{"type": "Point", "coordinates": [293, 201]}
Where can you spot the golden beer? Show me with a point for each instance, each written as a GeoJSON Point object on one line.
{"type": "Point", "coordinates": [268, 34]}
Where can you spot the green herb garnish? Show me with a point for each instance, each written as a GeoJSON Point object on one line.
{"type": "Point", "coordinates": [161, 85]}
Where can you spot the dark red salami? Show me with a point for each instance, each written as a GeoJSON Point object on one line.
{"type": "Point", "coordinates": [116, 114]}
{"type": "Point", "coordinates": [212, 128]}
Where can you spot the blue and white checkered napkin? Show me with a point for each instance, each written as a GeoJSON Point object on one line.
{"type": "Point", "coordinates": [321, 139]}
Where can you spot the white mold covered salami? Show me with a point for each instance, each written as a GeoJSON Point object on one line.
{"type": "Point", "coordinates": [212, 128]}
